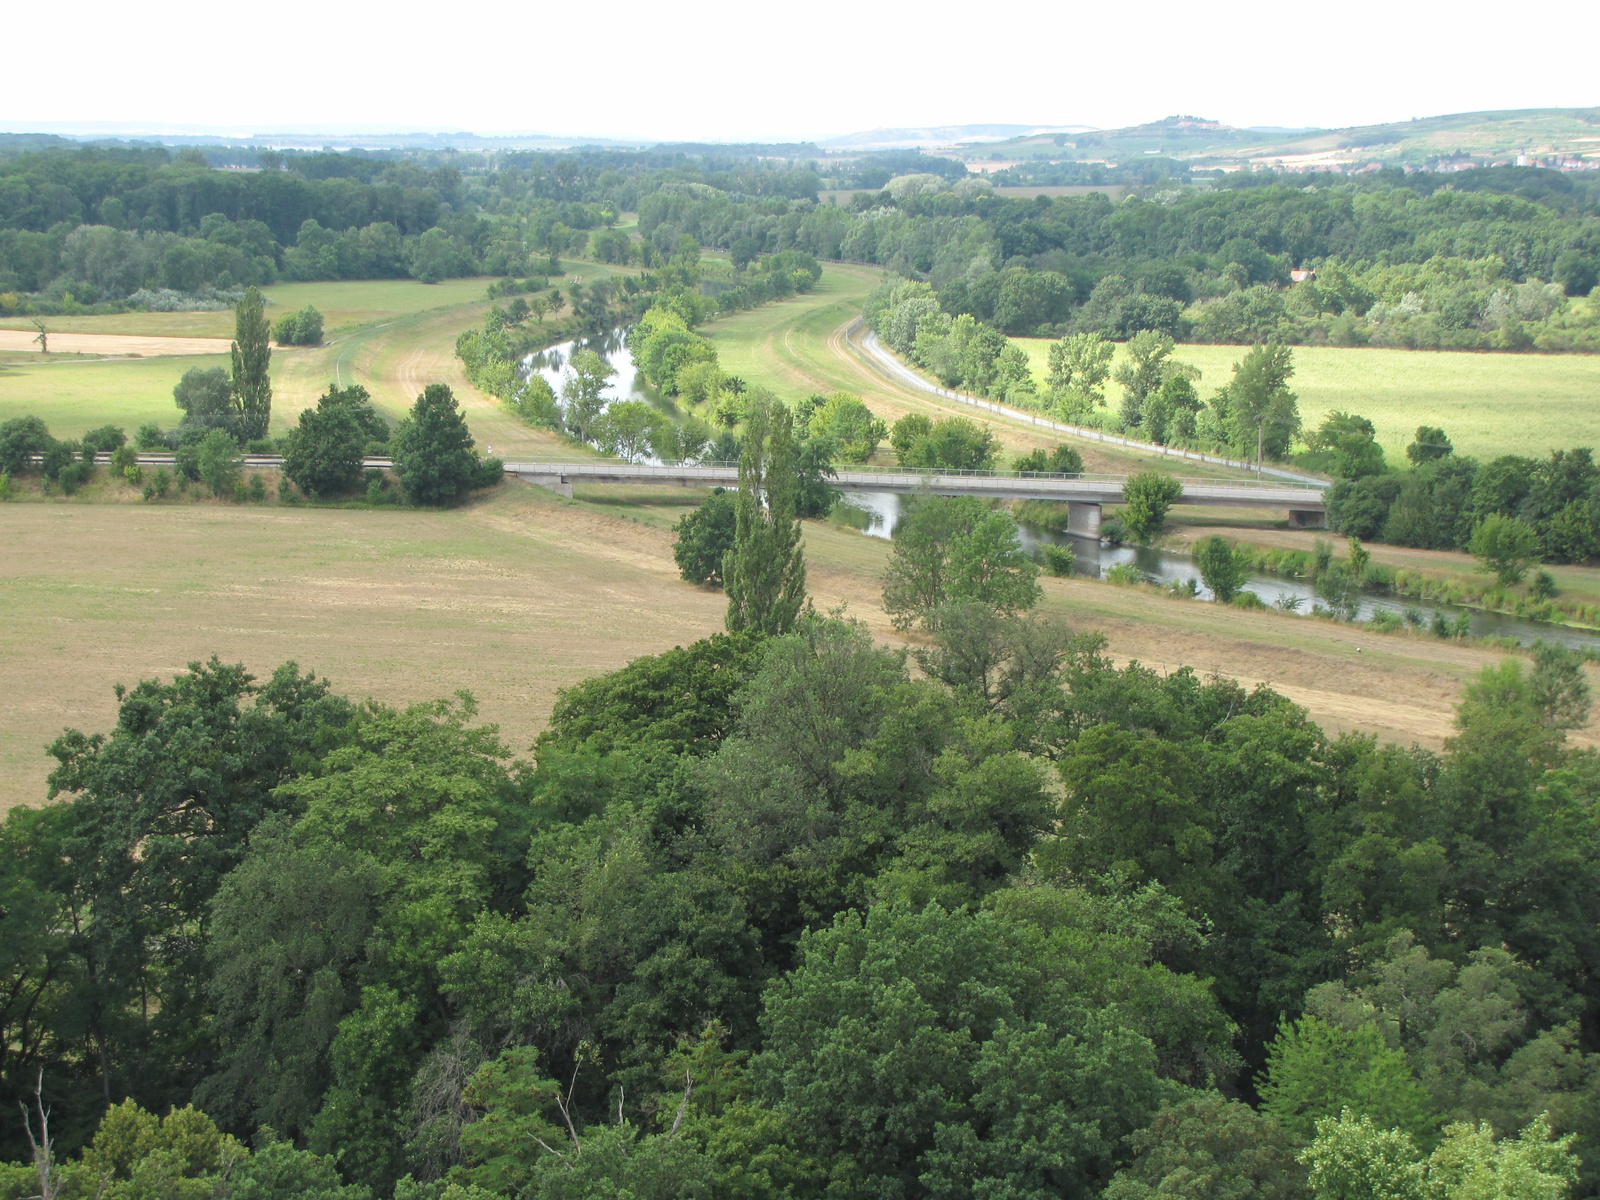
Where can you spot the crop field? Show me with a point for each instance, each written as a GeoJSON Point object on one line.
{"type": "Point", "coordinates": [522, 593]}
{"type": "Point", "coordinates": [1489, 404]}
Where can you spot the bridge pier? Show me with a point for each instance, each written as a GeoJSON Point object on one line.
{"type": "Point", "coordinates": [551, 483]}
{"type": "Point", "coordinates": [1306, 518]}
{"type": "Point", "coordinates": [1083, 519]}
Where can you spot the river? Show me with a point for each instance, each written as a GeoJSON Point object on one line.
{"type": "Point", "coordinates": [1094, 558]}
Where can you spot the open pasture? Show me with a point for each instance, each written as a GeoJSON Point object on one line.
{"type": "Point", "coordinates": [1489, 404]}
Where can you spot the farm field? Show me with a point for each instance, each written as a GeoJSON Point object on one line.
{"type": "Point", "coordinates": [1489, 404]}
{"type": "Point", "coordinates": [393, 336]}
{"type": "Point", "coordinates": [522, 593]}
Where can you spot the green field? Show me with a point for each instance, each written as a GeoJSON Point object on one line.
{"type": "Point", "coordinates": [73, 396]}
{"type": "Point", "coordinates": [1489, 404]}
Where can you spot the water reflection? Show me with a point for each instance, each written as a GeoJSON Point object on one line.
{"type": "Point", "coordinates": [612, 346]}
{"type": "Point", "coordinates": [1094, 558]}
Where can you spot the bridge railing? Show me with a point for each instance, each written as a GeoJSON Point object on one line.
{"type": "Point", "coordinates": [902, 474]}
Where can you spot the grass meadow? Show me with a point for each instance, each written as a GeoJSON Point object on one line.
{"type": "Point", "coordinates": [1489, 404]}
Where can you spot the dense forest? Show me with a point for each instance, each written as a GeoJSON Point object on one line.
{"type": "Point", "coordinates": [1493, 259]}
{"type": "Point", "coordinates": [781, 917]}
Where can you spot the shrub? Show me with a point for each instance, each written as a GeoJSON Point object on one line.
{"type": "Point", "coordinates": [20, 439]}
{"type": "Point", "coordinates": [72, 474]}
{"type": "Point", "coordinates": [217, 462]}
{"type": "Point", "coordinates": [1125, 574]}
{"type": "Point", "coordinates": [1146, 499]}
{"type": "Point", "coordinates": [1543, 586]}
{"type": "Point", "coordinates": [1247, 600]}
{"type": "Point", "coordinates": [1221, 566]}
{"type": "Point", "coordinates": [258, 488]}
{"type": "Point", "coordinates": [5, 486]}
{"type": "Point", "coordinates": [704, 538]}
{"type": "Point", "coordinates": [1058, 560]}
{"type": "Point", "coordinates": [303, 328]}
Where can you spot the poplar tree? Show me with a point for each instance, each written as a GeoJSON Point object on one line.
{"type": "Point", "coordinates": [765, 571]}
{"type": "Point", "coordinates": [251, 354]}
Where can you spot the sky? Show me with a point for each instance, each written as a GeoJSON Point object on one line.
{"type": "Point", "coordinates": [724, 70]}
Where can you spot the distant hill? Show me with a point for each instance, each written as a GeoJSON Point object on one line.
{"type": "Point", "coordinates": [927, 137]}
{"type": "Point", "coordinates": [1542, 136]}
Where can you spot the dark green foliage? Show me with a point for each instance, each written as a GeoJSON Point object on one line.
{"type": "Point", "coordinates": [1146, 497]}
{"type": "Point", "coordinates": [433, 450]}
{"type": "Point", "coordinates": [705, 536]}
{"type": "Point", "coordinates": [954, 443]}
{"type": "Point", "coordinates": [1351, 441]}
{"type": "Point", "coordinates": [1208, 1148]}
{"type": "Point", "coordinates": [1063, 460]}
{"type": "Point", "coordinates": [323, 455]}
{"type": "Point", "coordinates": [252, 352]}
{"type": "Point", "coordinates": [208, 400]}
{"type": "Point", "coordinates": [103, 441]}
{"type": "Point", "coordinates": [1430, 444]}
{"type": "Point", "coordinates": [303, 328]}
{"type": "Point", "coordinates": [217, 462]}
{"type": "Point", "coordinates": [764, 572]}
{"type": "Point", "coordinates": [955, 549]}
{"type": "Point", "coordinates": [20, 438]}
{"type": "Point", "coordinates": [834, 912]}
{"type": "Point", "coordinates": [1220, 567]}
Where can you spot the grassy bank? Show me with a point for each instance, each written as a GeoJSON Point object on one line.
{"type": "Point", "coordinates": [1489, 404]}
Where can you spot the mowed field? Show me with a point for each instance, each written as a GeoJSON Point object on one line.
{"type": "Point", "coordinates": [522, 593]}
{"type": "Point", "coordinates": [1489, 404]}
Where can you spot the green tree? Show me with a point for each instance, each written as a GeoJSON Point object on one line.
{"type": "Point", "coordinates": [1315, 1070]}
{"type": "Point", "coordinates": [1256, 408]}
{"type": "Point", "coordinates": [219, 462]}
{"type": "Point", "coordinates": [1143, 372]}
{"type": "Point", "coordinates": [627, 428]}
{"type": "Point", "coordinates": [1063, 460]}
{"type": "Point", "coordinates": [324, 453]}
{"type": "Point", "coordinates": [252, 352]}
{"type": "Point", "coordinates": [907, 432]}
{"type": "Point", "coordinates": [582, 392]}
{"type": "Point", "coordinates": [1429, 445]}
{"type": "Point", "coordinates": [1221, 568]}
{"type": "Point", "coordinates": [705, 536]}
{"type": "Point", "coordinates": [1146, 497]}
{"type": "Point", "coordinates": [955, 549]}
{"type": "Point", "coordinates": [1353, 443]}
{"type": "Point", "coordinates": [433, 450]}
{"type": "Point", "coordinates": [849, 424]}
{"type": "Point", "coordinates": [1078, 366]}
{"type": "Point", "coordinates": [208, 399]}
{"type": "Point", "coordinates": [764, 573]}
{"type": "Point", "coordinates": [1209, 1148]}
{"type": "Point", "coordinates": [954, 443]}
{"type": "Point", "coordinates": [303, 328]}
{"type": "Point", "coordinates": [1504, 547]}
{"type": "Point", "coordinates": [20, 439]}
{"type": "Point", "coordinates": [1353, 1158]}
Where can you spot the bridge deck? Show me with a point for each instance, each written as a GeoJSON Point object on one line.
{"type": "Point", "coordinates": [1083, 489]}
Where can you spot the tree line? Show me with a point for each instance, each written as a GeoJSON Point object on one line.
{"type": "Point", "coordinates": [774, 915]}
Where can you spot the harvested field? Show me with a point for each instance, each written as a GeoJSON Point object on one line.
{"type": "Point", "coordinates": [523, 593]}
{"type": "Point", "coordinates": [113, 345]}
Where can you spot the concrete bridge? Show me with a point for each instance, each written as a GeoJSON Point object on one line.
{"type": "Point", "coordinates": [1083, 494]}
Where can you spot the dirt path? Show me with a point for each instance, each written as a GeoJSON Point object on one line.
{"type": "Point", "coordinates": [112, 345]}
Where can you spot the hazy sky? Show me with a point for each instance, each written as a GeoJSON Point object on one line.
{"type": "Point", "coordinates": [751, 70]}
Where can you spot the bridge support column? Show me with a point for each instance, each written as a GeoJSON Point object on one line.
{"type": "Point", "coordinates": [550, 483]}
{"type": "Point", "coordinates": [1083, 519]}
{"type": "Point", "coordinates": [1308, 518]}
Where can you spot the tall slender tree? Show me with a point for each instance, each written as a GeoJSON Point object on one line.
{"type": "Point", "coordinates": [765, 572]}
{"type": "Point", "coordinates": [251, 354]}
